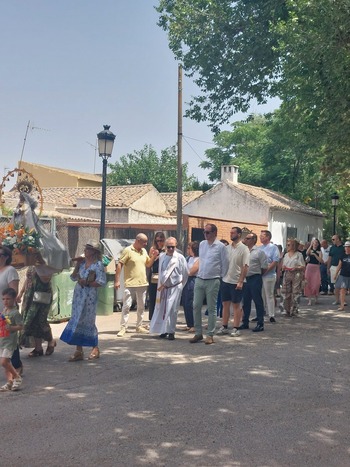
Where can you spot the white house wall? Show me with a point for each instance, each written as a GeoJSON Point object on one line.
{"type": "Point", "coordinates": [305, 225]}
{"type": "Point", "coordinates": [225, 203]}
{"type": "Point", "coordinates": [151, 202]}
{"type": "Point", "coordinates": [139, 217]}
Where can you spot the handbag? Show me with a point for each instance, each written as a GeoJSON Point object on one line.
{"type": "Point", "coordinates": [42, 297]}
{"type": "Point", "coordinates": [154, 278]}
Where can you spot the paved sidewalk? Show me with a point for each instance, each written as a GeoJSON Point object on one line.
{"type": "Point", "coordinates": [276, 398]}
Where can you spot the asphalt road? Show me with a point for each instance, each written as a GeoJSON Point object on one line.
{"type": "Point", "coordinates": [277, 398]}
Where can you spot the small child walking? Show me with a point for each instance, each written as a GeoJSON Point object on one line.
{"type": "Point", "coordinates": [11, 323]}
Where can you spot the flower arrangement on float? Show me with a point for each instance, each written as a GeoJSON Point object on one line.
{"type": "Point", "coordinates": [20, 239]}
{"type": "Point", "coordinates": [23, 242]}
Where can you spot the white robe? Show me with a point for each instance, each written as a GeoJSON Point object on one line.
{"type": "Point", "coordinates": [172, 277]}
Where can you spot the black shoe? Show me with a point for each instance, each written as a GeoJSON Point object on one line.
{"type": "Point", "coordinates": [163, 336]}
{"type": "Point", "coordinates": [254, 320]}
{"type": "Point", "coordinates": [258, 328]}
{"type": "Point", "coordinates": [272, 319]}
{"type": "Point", "coordinates": [171, 336]}
{"type": "Point", "coordinates": [244, 326]}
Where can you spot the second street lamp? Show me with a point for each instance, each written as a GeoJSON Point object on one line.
{"type": "Point", "coordinates": [105, 147]}
{"type": "Point", "coordinates": [335, 201]}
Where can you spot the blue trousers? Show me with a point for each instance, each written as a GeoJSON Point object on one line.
{"type": "Point", "coordinates": [252, 291]}
{"type": "Point", "coordinates": [16, 360]}
{"type": "Point", "coordinates": [187, 301]}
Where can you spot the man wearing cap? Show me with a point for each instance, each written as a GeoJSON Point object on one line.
{"type": "Point", "coordinates": [134, 259]}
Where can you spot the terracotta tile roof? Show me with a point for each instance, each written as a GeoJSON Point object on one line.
{"type": "Point", "coordinates": [116, 196]}
{"type": "Point", "coordinates": [83, 175]}
{"type": "Point", "coordinates": [274, 199]}
{"type": "Point", "coordinates": [170, 199]}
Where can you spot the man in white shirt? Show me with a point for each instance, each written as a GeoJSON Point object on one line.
{"type": "Point", "coordinates": [253, 288]}
{"type": "Point", "coordinates": [269, 276]}
{"type": "Point", "coordinates": [213, 265]}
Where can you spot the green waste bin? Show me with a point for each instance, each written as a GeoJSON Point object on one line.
{"type": "Point", "coordinates": [105, 304]}
{"type": "Point", "coordinates": [62, 297]}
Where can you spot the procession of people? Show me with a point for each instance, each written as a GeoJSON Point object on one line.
{"type": "Point", "coordinates": [241, 272]}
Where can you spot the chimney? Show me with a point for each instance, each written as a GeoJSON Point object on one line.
{"type": "Point", "coordinates": [229, 173]}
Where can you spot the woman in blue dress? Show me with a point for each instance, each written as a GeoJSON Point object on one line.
{"type": "Point", "coordinates": [81, 329]}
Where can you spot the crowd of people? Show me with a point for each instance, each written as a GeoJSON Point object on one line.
{"type": "Point", "coordinates": [213, 272]}
{"type": "Point", "coordinates": [231, 275]}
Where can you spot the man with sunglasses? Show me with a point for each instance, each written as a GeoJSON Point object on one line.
{"type": "Point", "coordinates": [172, 277]}
{"type": "Point", "coordinates": [234, 282]}
{"type": "Point", "coordinates": [253, 288]}
{"type": "Point", "coordinates": [213, 265]}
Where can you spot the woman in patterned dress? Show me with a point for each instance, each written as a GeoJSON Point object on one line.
{"type": "Point", "coordinates": [81, 329]}
{"type": "Point", "coordinates": [35, 323]}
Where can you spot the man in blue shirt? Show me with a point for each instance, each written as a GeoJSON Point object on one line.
{"type": "Point", "coordinates": [213, 265]}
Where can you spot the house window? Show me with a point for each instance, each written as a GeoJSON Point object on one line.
{"type": "Point", "coordinates": [292, 232]}
{"type": "Point", "coordinates": [197, 235]}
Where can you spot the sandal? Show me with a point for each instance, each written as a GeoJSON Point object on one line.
{"type": "Point", "coordinates": [6, 387]}
{"type": "Point", "coordinates": [94, 354]}
{"type": "Point", "coordinates": [78, 355]}
{"type": "Point", "coordinates": [51, 348]}
{"type": "Point", "coordinates": [341, 308]}
{"type": "Point", "coordinates": [36, 353]}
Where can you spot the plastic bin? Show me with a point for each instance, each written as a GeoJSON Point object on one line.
{"type": "Point", "coordinates": [62, 290]}
{"type": "Point", "coordinates": [105, 304]}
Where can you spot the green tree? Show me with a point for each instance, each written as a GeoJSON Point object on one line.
{"type": "Point", "coordinates": [146, 166]}
{"type": "Point", "coordinates": [298, 50]}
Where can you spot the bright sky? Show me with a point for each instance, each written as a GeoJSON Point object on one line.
{"type": "Point", "coordinates": [71, 66]}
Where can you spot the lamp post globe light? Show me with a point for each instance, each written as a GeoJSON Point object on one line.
{"type": "Point", "coordinates": [335, 202]}
{"type": "Point", "coordinates": [105, 147]}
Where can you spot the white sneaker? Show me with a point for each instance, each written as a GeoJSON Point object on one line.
{"type": "Point", "coordinates": [141, 330]}
{"type": "Point", "coordinates": [222, 331]}
{"type": "Point", "coordinates": [121, 332]}
{"type": "Point", "coordinates": [235, 333]}
{"type": "Point", "coordinates": [16, 384]}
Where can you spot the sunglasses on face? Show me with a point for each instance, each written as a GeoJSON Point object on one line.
{"type": "Point", "coordinates": [170, 247]}
{"type": "Point", "coordinates": [207, 232]}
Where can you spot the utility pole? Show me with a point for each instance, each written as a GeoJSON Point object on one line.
{"type": "Point", "coordinates": [179, 231]}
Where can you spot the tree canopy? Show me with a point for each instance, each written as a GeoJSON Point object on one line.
{"type": "Point", "coordinates": [146, 166]}
{"type": "Point", "coordinates": [298, 50]}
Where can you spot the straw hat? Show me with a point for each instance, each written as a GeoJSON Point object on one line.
{"type": "Point", "coordinates": [94, 244]}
